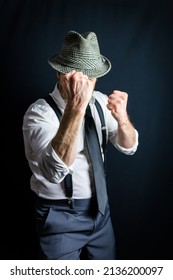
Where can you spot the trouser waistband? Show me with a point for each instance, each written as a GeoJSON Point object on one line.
{"type": "Point", "coordinates": [84, 204]}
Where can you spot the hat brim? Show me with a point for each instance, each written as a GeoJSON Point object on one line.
{"type": "Point", "coordinates": [104, 68]}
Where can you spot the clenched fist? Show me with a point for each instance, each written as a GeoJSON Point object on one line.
{"type": "Point", "coordinates": [117, 104]}
{"type": "Point", "coordinates": [77, 89]}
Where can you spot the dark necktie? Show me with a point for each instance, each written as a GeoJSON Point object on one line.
{"type": "Point", "coordinates": [93, 146]}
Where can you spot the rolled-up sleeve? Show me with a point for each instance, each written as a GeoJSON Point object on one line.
{"type": "Point", "coordinates": [39, 127]}
{"type": "Point", "coordinates": [129, 151]}
{"type": "Point", "coordinates": [112, 128]}
{"type": "Point", "coordinates": [51, 166]}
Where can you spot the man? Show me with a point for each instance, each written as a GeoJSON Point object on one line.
{"type": "Point", "coordinates": [72, 208]}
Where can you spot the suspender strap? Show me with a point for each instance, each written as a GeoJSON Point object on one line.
{"type": "Point", "coordinates": [68, 178]}
{"type": "Point", "coordinates": [52, 104]}
{"type": "Point", "coordinates": [103, 126]}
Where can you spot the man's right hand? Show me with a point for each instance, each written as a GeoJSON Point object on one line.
{"type": "Point", "coordinates": [79, 89]}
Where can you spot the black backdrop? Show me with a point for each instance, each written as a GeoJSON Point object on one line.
{"type": "Point", "coordinates": [137, 38]}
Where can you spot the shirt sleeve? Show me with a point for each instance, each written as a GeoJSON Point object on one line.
{"type": "Point", "coordinates": [53, 168]}
{"type": "Point", "coordinates": [40, 124]}
{"type": "Point", "coordinates": [130, 151]}
{"type": "Point", "coordinates": [112, 127]}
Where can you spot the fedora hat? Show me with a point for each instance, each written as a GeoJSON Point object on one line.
{"type": "Point", "coordinates": [80, 52]}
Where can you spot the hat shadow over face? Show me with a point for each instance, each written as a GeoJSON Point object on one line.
{"type": "Point", "coordinates": [80, 52]}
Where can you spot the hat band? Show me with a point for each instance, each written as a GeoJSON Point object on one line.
{"type": "Point", "coordinates": [75, 62]}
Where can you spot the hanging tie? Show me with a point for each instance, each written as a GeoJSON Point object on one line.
{"type": "Point", "coordinates": [94, 150]}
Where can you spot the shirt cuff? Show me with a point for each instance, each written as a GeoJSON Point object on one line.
{"type": "Point", "coordinates": [53, 168]}
{"type": "Point", "coordinates": [68, 169]}
{"type": "Point", "coordinates": [132, 150]}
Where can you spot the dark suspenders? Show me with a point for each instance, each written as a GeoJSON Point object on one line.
{"type": "Point", "coordinates": [52, 103]}
{"type": "Point", "coordinates": [103, 127]}
{"type": "Point", "coordinates": [68, 177]}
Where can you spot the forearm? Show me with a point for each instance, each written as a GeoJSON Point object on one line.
{"type": "Point", "coordinates": [77, 89]}
{"type": "Point", "coordinates": [126, 134]}
{"type": "Point", "coordinates": [117, 103]}
{"type": "Point", "coordinates": [65, 141]}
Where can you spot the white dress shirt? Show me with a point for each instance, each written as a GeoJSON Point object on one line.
{"type": "Point", "coordinates": [40, 125]}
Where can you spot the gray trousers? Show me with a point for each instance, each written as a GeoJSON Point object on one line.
{"type": "Point", "coordinates": [68, 233]}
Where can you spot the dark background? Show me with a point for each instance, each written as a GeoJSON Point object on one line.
{"type": "Point", "coordinates": [137, 37]}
